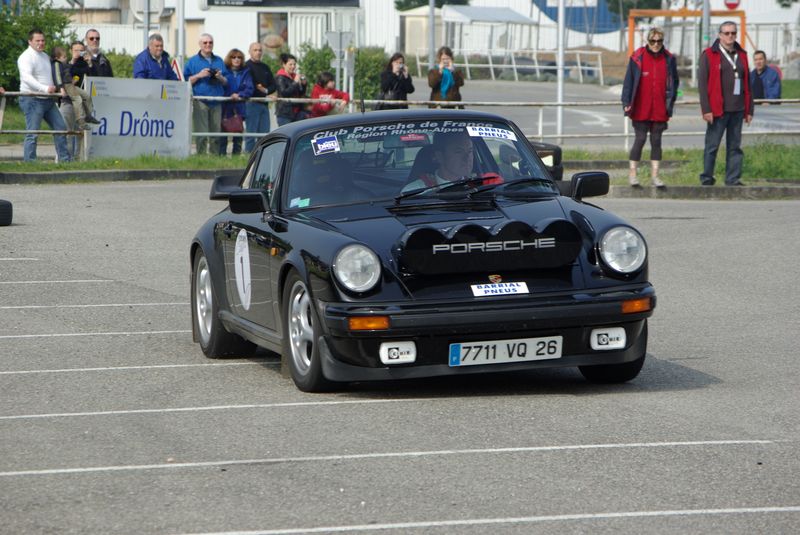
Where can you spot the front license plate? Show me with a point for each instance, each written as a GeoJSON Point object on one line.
{"type": "Point", "coordinates": [499, 351]}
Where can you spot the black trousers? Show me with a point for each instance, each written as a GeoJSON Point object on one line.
{"type": "Point", "coordinates": [641, 128]}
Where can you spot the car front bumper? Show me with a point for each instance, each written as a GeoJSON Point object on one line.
{"type": "Point", "coordinates": [354, 356]}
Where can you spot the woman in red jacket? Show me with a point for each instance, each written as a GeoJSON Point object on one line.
{"type": "Point", "coordinates": [648, 96]}
{"type": "Point", "coordinates": [325, 88]}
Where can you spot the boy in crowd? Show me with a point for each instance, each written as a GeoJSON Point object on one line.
{"type": "Point", "coordinates": [81, 100]}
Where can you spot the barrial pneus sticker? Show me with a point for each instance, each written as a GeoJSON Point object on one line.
{"type": "Point", "coordinates": [242, 269]}
{"type": "Point", "coordinates": [491, 131]}
{"type": "Point", "coordinates": [499, 288]}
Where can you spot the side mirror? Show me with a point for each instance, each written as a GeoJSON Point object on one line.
{"type": "Point", "coordinates": [589, 184]}
{"type": "Point", "coordinates": [249, 201]}
{"type": "Point", "coordinates": [551, 156]}
{"type": "Point", "coordinates": [222, 186]}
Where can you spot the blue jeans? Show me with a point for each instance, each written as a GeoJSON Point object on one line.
{"type": "Point", "coordinates": [730, 123]}
{"type": "Point", "coordinates": [36, 109]}
{"type": "Point", "coordinates": [256, 122]}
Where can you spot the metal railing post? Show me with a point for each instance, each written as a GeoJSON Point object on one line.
{"type": "Point", "coordinates": [541, 123]}
{"type": "Point", "coordinates": [626, 131]}
{"type": "Point", "coordinates": [514, 66]}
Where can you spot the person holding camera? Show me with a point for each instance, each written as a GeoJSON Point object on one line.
{"type": "Point", "coordinates": [396, 83]}
{"type": "Point", "coordinates": [291, 84]}
{"type": "Point", "coordinates": [445, 81]}
{"type": "Point", "coordinates": [97, 61]}
{"type": "Point", "coordinates": [207, 74]}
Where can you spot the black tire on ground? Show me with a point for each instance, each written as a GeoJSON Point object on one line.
{"type": "Point", "coordinates": [215, 341]}
{"type": "Point", "coordinates": [6, 213]}
{"type": "Point", "coordinates": [301, 330]}
{"type": "Point", "coordinates": [616, 373]}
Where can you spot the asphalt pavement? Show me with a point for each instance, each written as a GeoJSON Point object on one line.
{"type": "Point", "coordinates": [112, 420]}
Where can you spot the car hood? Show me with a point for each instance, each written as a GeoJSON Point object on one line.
{"type": "Point", "coordinates": [469, 237]}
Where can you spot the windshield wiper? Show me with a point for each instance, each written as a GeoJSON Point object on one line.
{"type": "Point", "coordinates": [439, 187]}
{"type": "Point", "coordinates": [504, 185]}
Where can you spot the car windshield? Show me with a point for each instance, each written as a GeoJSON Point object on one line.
{"type": "Point", "coordinates": [408, 160]}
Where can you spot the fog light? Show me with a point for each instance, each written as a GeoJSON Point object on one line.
{"type": "Point", "coordinates": [607, 338]}
{"type": "Point", "coordinates": [398, 352]}
{"type": "Point", "coordinates": [368, 323]}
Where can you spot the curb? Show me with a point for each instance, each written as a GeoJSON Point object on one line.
{"type": "Point", "coordinates": [720, 193]}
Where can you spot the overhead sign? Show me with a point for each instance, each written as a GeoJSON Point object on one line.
{"type": "Point", "coordinates": [339, 41]}
{"type": "Point", "coordinates": [140, 117]}
{"type": "Point", "coordinates": [731, 4]}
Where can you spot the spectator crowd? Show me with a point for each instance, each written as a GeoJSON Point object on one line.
{"type": "Point", "coordinates": [727, 90]}
{"type": "Point", "coordinates": [235, 77]}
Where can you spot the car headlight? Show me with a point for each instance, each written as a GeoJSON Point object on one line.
{"type": "Point", "coordinates": [623, 249]}
{"type": "Point", "coordinates": [357, 268]}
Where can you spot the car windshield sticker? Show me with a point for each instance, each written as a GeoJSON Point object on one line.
{"type": "Point", "coordinates": [325, 145]}
{"type": "Point", "coordinates": [242, 269]}
{"type": "Point", "coordinates": [408, 138]}
{"type": "Point", "coordinates": [490, 131]}
{"type": "Point", "coordinates": [499, 288]}
{"type": "Point", "coordinates": [298, 202]}
{"type": "Point", "coordinates": [364, 133]}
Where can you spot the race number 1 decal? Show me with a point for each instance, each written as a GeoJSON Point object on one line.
{"type": "Point", "coordinates": [242, 269]}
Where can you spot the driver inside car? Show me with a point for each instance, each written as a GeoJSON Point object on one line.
{"type": "Point", "coordinates": [453, 155]}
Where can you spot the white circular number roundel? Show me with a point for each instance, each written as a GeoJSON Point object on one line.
{"type": "Point", "coordinates": [242, 269]}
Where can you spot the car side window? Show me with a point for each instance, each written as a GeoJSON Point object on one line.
{"type": "Point", "coordinates": [268, 166]}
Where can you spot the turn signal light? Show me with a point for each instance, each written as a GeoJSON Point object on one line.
{"type": "Point", "coordinates": [368, 323]}
{"type": "Point", "coordinates": [633, 306]}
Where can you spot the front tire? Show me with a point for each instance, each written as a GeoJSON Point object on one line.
{"type": "Point", "coordinates": [214, 340]}
{"type": "Point", "coordinates": [6, 213]}
{"type": "Point", "coordinates": [301, 337]}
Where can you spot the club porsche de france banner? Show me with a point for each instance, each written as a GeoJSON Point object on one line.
{"type": "Point", "coordinates": [140, 117]}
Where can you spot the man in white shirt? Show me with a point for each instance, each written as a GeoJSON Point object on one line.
{"type": "Point", "coordinates": [36, 76]}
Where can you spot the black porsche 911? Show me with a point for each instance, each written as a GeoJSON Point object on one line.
{"type": "Point", "coordinates": [402, 244]}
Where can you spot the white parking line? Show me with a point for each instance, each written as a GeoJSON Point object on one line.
{"type": "Point", "coordinates": [515, 520]}
{"type": "Point", "coordinates": [215, 408]}
{"type": "Point", "coordinates": [20, 259]}
{"type": "Point", "coordinates": [117, 333]}
{"type": "Point", "coordinates": [102, 305]}
{"type": "Point", "coordinates": [152, 367]}
{"type": "Point", "coordinates": [388, 455]}
{"type": "Point", "coordinates": [56, 282]}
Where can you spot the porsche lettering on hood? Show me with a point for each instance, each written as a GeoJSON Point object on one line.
{"type": "Point", "coordinates": [472, 248]}
{"type": "Point", "coordinates": [493, 246]}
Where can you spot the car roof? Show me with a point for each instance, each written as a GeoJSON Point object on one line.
{"type": "Point", "coordinates": [297, 128]}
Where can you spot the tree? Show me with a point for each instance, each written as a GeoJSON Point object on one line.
{"type": "Point", "coordinates": [16, 21]}
{"type": "Point", "coordinates": [403, 5]}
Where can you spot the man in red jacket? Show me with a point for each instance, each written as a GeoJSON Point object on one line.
{"type": "Point", "coordinates": [725, 100]}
